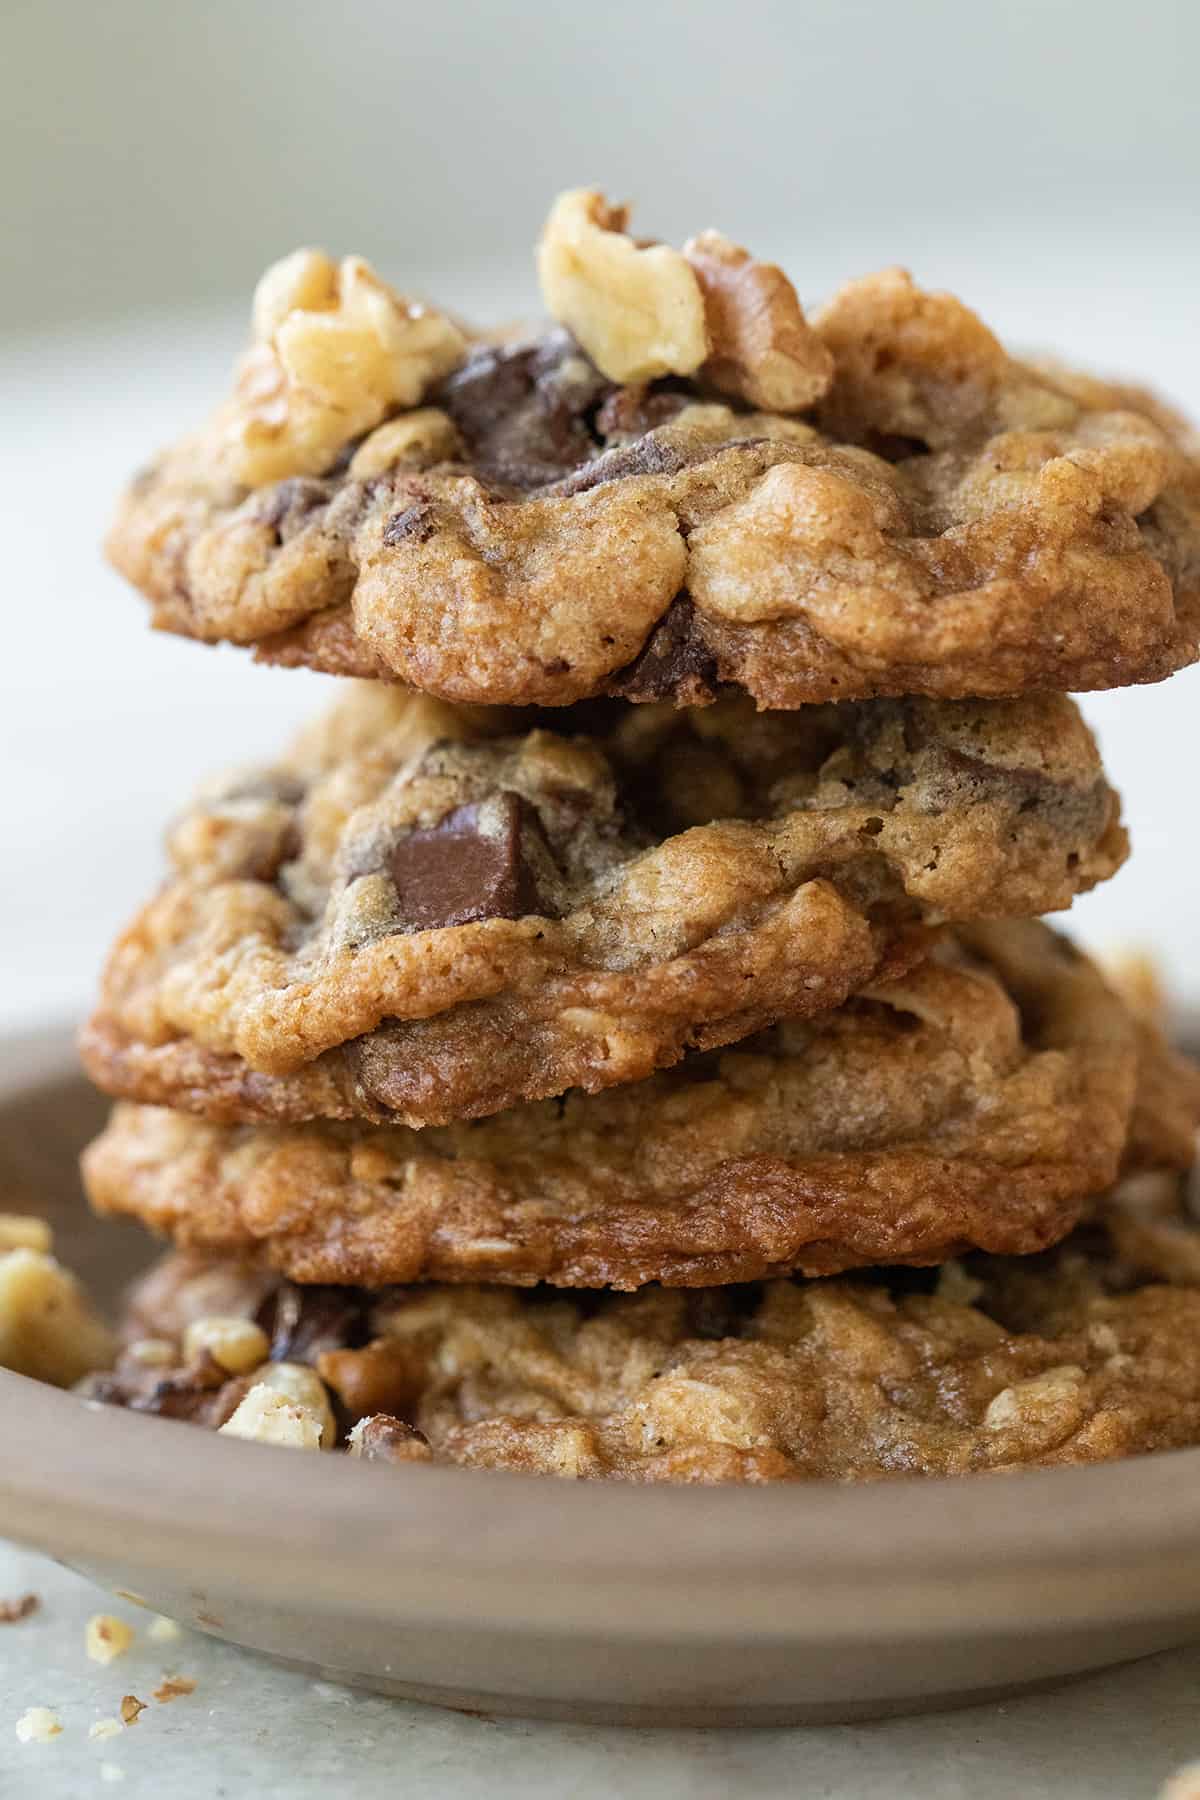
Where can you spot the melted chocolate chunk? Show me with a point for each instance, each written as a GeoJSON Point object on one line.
{"type": "Point", "coordinates": [632, 411]}
{"type": "Point", "coordinates": [287, 506]}
{"type": "Point", "coordinates": [523, 410]}
{"type": "Point", "coordinates": [473, 864]}
{"type": "Point", "coordinates": [673, 663]}
{"type": "Point", "coordinates": [303, 1321]}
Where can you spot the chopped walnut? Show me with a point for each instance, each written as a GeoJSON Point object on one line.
{"type": "Point", "coordinates": [763, 349]}
{"type": "Point", "coordinates": [638, 312]}
{"type": "Point", "coordinates": [382, 1438]}
{"type": "Point", "coordinates": [174, 1687]}
{"type": "Point", "coordinates": [265, 1417]}
{"type": "Point", "coordinates": [302, 1386]}
{"type": "Point", "coordinates": [238, 1345]}
{"type": "Point", "coordinates": [418, 438]}
{"type": "Point", "coordinates": [1041, 1396]}
{"type": "Point", "coordinates": [13, 1611]}
{"type": "Point", "coordinates": [47, 1326]}
{"type": "Point", "coordinates": [37, 1726]}
{"type": "Point", "coordinates": [105, 1728]}
{"type": "Point", "coordinates": [107, 1637]}
{"type": "Point", "coordinates": [131, 1707]}
{"type": "Point", "coordinates": [20, 1231]}
{"type": "Point", "coordinates": [336, 350]}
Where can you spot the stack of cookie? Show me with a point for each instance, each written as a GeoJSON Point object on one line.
{"type": "Point", "coordinates": [618, 1038]}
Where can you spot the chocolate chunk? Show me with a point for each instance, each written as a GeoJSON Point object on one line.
{"type": "Point", "coordinates": [301, 1322]}
{"type": "Point", "coordinates": [414, 524]}
{"type": "Point", "coordinates": [473, 864]}
{"type": "Point", "coordinates": [673, 663]}
{"type": "Point", "coordinates": [633, 411]}
{"type": "Point", "coordinates": [522, 410]}
{"type": "Point", "coordinates": [647, 455]}
{"type": "Point", "coordinates": [285, 507]}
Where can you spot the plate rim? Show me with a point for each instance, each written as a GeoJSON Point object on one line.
{"type": "Point", "coordinates": [809, 1561]}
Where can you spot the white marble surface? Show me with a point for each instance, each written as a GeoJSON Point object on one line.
{"type": "Point", "coordinates": [252, 1731]}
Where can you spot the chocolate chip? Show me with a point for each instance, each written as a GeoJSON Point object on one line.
{"type": "Point", "coordinates": [285, 507]}
{"type": "Point", "coordinates": [523, 410]}
{"type": "Point", "coordinates": [648, 455]}
{"type": "Point", "coordinates": [301, 1322]}
{"type": "Point", "coordinates": [415, 523]}
{"type": "Point", "coordinates": [633, 411]}
{"type": "Point", "coordinates": [473, 864]}
{"type": "Point", "coordinates": [673, 663]}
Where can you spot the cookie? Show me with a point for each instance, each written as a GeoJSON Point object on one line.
{"type": "Point", "coordinates": [976, 1103]}
{"type": "Point", "coordinates": [684, 484]}
{"type": "Point", "coordinates": [428, 913]}
{"type": "Point", "coordinates": [1080, 1355]}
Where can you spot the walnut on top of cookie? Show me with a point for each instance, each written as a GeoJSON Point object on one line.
{"type": "Point", "coordinates": [685, 483]}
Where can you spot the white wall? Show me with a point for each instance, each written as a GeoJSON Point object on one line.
{"type": "Point", "coordinates": [1041, 159]}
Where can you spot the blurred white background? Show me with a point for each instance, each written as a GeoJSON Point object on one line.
{"type": "Point", "coordinates": [1041, 157]}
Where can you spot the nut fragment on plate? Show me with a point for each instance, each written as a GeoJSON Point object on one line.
{"type": "Point", "coordinates": [336, 350]}
{"type": "Point", "coordinates": [48, 1328]}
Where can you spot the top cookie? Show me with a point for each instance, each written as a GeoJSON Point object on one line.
{"type": "Point", "coordinates": [683, 485]}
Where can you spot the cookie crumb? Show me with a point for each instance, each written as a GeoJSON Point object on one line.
{"type": "Point", "coordinates": [173, 1687]}
{"type": "Point", "coordinates": [131, 1706]}
{"type": "Point", "coordinates": [13, 1611]}
{"type": "Point", "coordinates": [37, 1726]}
{"type": "Point", "coordinates": [104, 1728]}
{"type": "Point", "coordinates": [164, 1631]}
{"type": "Point", "coordinates": [107, 1637]}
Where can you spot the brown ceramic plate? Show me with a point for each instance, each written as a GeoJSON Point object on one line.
{"type": "Point", "coordinates": [587, 1602]}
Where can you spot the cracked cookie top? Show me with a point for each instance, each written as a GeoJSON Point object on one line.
{"type": "Point", "coordinates": [1083, 1354]}
{"type": "Point", "coordinates": [684, 484]}
{"type": "Point", "coordinates": [977, 1102]}
{"type": "Point", "coordinates": [429, 912]}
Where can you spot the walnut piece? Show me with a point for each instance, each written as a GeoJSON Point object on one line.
{"type": "Point", "coordinates": [639, 313]}
{"type": "Point", "coordinates": [418, 438]}
{"type": "Point", "coordinates": [763, 349]}
{"type": "Point", "coordinates": [37, 1726]}
{"type": "Point", "coordinates": [20, 1231]}
{"type": "Point", "coordinates": [336, 351]}
{"type": "Point", "coordinates": [239, 1345]}
{"type": "Point", "coordinates": [107, 1637]}
{"type": "Point", "coordinates": [301, 1386]}
{"type": "Point", "coordinates": [47, 1326]}
{"type": "Point", "coordinates": [265, 1417]}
